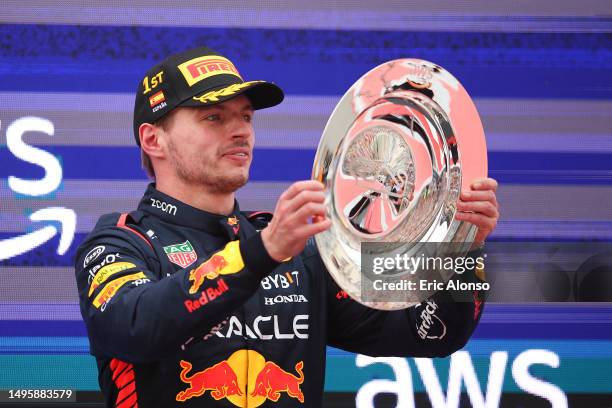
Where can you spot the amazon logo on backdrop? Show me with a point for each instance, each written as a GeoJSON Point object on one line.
{"type": "Point", "coordinates": [50, 221]}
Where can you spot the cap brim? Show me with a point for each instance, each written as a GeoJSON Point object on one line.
{"type": "Point", "coordinates": [262, 95]}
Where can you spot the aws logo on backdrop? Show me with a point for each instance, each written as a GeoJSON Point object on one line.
{"type": "Point", "coordinates": [59, 220]}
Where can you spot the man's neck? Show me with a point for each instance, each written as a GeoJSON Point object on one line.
{"type": "Point", "coordinates": [197, 196]}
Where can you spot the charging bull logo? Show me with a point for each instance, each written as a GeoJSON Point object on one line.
{"type": "Point", "coordinates": [273, 380]}
{"type": "Point", "coordinates": [244, 369]}
{"type": "Point", "coordinates": [233, 222]}
{"type": "Point", "coordinates": [220, 379]}
{"type": "Point", "coordinates": [209, 269]}
{"type": "Point", "coordinates": [225, 262]}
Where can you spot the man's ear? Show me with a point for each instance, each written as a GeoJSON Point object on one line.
{"type": "Point", "coordinates": [152, 140]}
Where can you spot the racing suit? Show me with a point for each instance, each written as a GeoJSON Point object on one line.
{"type": "Point", "coordinates": [186, 308]}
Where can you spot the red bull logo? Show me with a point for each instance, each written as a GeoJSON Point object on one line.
{"type": "Point", "coordinates": [244, 369]}
{"type": "Point", "coordinates": [220, 379]}
{"type": "Point", "coordinates": [206, 296]}
{"type": "Point", "coordinates": [225, 262]}
{"type": "Point", "coordinates": [273, 380]}
{"type": "Point", "coordinates": [233, 222]}
{"type": "Point", "coordinates": [209, 269]}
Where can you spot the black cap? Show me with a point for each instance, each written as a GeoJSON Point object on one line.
{"type": "Point", "coordinates": [196, 77]}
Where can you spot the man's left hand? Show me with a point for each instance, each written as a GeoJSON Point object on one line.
{"type": "Point", "coordinates": [479, 206]}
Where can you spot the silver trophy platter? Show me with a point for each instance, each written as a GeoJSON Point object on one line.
{"type": "Point", "coordinates": [395, 154]}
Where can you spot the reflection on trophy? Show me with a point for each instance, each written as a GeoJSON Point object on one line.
{"type": "Point", "coordinates": [395, 154]}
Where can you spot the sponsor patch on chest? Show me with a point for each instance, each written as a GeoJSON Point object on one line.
{"type": "Point", "coordinates": [182, 254]}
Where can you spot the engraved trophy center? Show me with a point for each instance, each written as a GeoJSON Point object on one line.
{"type": "Point", "coordinates": [380, 164]}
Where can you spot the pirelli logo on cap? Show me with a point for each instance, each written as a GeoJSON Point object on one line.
{"type": "Point", "coordinates": [200, 68]}
{"type": "Point", "coordinates": [157, 98]}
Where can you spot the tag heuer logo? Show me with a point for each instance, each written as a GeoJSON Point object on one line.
{"type": "Point", "coordinates": [182, 255]}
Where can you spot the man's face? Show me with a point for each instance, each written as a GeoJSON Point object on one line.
{"type": "Point", "coordinates": [212, 146]}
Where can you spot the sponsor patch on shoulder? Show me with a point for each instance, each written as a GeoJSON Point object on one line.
{"type": "Point", "coordinates": [106, 272]}
{"type": "Point", "coordinates": [93, 254]}
{"type": "Point", "coordinates": [107, 293]}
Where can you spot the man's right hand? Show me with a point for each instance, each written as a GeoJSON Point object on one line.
{"type": "Point", "coordinates": [299, 214]}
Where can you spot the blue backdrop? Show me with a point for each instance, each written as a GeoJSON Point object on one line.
{"type": "Point", "coordinates": [540, 75]}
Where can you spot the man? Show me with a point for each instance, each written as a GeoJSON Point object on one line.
{"type": "Point", "coordinates": [190, 302]}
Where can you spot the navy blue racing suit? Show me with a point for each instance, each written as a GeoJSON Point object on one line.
{"type": "Point", "coordinates": [186, 308]}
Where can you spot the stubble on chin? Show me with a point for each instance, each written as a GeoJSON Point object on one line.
{"type": "Point", "coordinates": [205, 173]}
{"type": "Point", "coordinates": [225, 184]}
{"type": "Point", "coordinates": [211, 179]}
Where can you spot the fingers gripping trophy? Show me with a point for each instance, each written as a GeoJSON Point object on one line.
{"type": "Point", "coordinates": [397, 151]}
